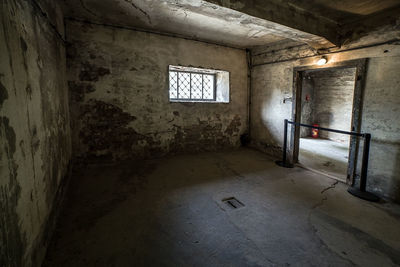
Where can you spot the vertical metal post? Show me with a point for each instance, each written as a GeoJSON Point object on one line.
{"type": "Point", "coordinates": [362, 192]}
{"type": "Point", "coordinates": [364, 166]}
{"type": "Point", "coordinates": [284, 141]}
{"type": "Point", "coordinates": [358, 192]}
{"type": "Point", "coordinates": [284, 162]}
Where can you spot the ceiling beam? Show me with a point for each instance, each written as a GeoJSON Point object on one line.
{"type": "Point", "coordinates": [384, 23]}
{"type": "Point", "coordinates": [289, 21]}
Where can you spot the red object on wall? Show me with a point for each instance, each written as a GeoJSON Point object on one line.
{"type": "Point", "coordinates": [315, 132]}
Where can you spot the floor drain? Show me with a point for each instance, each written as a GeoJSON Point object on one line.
{"type": "Point", "coordinates": [233, 203]}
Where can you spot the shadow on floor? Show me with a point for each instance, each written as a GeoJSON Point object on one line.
{"type": "Point", "coordinates": [169, 212]}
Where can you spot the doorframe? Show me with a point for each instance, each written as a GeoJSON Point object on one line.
{"type": "Point", "coordinates": [360, 76]}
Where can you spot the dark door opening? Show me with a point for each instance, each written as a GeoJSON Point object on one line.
{"type": "Point", "coordinates": [326, 101]}
{"type": "Point", "coordinates": [330, 96]}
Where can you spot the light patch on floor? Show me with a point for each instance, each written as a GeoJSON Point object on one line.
{"type": "Point", "coordinates": [325, 156]}
{"type": "Point", "coordinates": [170, 212]}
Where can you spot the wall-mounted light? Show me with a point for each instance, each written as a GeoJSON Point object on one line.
{"type": "Point", "coordinates": [322, 61]}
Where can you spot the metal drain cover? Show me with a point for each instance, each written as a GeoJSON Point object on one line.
{"type": "Point", "coordinates": [233, 203]}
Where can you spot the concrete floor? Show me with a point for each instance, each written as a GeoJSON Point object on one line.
{"type": "Point", "coordinates": [325, 156]}
{"type": "Point", "coordinates": [168, 212]}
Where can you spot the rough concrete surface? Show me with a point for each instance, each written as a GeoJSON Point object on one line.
{"type": "Point", "coordinates": [340, 22]}
{"type": "Point", "coordinates": [331, 98]}
{"type": "Point", "coordinates": [169, 212]}
{"type": "Point", "coordinates": [307, 105]}
{"type": "Point", "coordinates": [325, 156]}
{"type": "Point", "coordinates": [35, 145]}
{"type": "Point", "coordinates": [101, 91]}
{"type": "Point", "coordinates": [118, 81]}
{"type": "Point", "coordinates": [238, 23]}
{"type": "Point", "coordinates": [380, 118]}
{"type": "Point", "coordinates": [194, 19]}
{"type": "Point", "coordinates": [273, 82]}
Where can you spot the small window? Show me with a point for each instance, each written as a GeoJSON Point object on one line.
{"type": "Point", "coordinates": [188, 84]}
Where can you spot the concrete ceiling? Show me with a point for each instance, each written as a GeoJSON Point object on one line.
{"type": "Point", "coordinates": [345, 11]}
{"type": "Point", "coordinates": [236, 23]}
{"type": "Point", "coordinates": [355, 18]}
{"type": "Point", "coordinates": [194, 19]}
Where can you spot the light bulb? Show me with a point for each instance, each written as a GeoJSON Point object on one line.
{"type": "Point", "coordinates": [322, 61]}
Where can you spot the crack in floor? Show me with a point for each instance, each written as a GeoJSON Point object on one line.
{"type": "Point", "coordinates": [314, 230]}
{"type": "Point", "coordinates": [320, 203]}
{"type": "Point", "coordinates": [330, 187]}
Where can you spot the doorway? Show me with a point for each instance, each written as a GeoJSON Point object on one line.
{"type": "Point", "coordinates": [329, 97]}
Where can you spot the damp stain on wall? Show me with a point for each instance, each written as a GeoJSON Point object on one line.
{"type": "Point", "coordinates": [119, 95]}
{"type": "Point", "coordinates": [13, 241]}
{"type": "Point", "coordinates": [35, 146]}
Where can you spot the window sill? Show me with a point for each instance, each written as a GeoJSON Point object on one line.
{"type": "Point", "coordinates": [200, 101]}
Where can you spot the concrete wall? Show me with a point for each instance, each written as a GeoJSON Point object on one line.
{"type": "Point", "coordinates": [381, 118]}
{"type": "Point", "coordinates": [35, 145]}
{"type": "Point", "coordinates": [118, 80]}
{"type": "Point", "coordinates": [331, 101]}
{"type": "Point", "coordinates": [307, 105]}
{"type": "Point", "coordinates": [272, 82]}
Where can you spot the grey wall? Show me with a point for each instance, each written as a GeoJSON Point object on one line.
{"type": "Point", "coordinates": [307, 105]}
{"type": "Point", "coordinates": [381, 118]}
{"type": "Point", "coordinates": [272, 82]}
{"type": "Point", "coordinates": [331, 100]}
{"type": "Point", "coordinates": [35, 145]}
{"type": "Point", "coordinates": [118, 80]}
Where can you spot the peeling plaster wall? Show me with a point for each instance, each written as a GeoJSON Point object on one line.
{"type": "Point", "coordinates": [381, 118]}
{"type": "Point", "coordinates": [35, 145]}
{"type": "Point", "coordinates": [272, 82]}
{"type": "Point", "coordinates": [332, 101]}
{"type": "Point", "coordinates": [307, 105]}
{"type": "Point", "coordinates": [118, 82]}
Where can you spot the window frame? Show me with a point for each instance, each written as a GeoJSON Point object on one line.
{"type": "Point", "coordinates": [214, 99]}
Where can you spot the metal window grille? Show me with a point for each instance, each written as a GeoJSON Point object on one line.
{"type": "Point", "coordinates": [191, 86]}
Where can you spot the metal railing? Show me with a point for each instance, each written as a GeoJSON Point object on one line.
{"type": "Point", "coordinates": [359, 192]}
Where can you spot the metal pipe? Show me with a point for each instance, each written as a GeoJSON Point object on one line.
{"type": "Point", "coordinates": [327, 129]}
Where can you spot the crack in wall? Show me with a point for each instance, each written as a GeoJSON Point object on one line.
{"type": "Point", "coordinates": [139, 9]}
{"type": "Point", "coordinates": [44, 15]}
{"type": "Point", "coordinates": [87, 9]}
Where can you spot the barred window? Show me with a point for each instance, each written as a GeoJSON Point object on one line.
{"type": "Point", "coordinates": [187, 84]}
